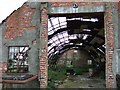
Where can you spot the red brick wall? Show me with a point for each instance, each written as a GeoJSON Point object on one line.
{"type": "Point", "coordinates": [3, 67]}
{"type": "Point", "coordinates": [18, 21]}
{"type": "Point", "coordinates": [109, 35]}
{"type": "Point", "coordinates": [119, 8]}
{"type": "Point", "coordinates": [44, 17]}
{"type": "Point", "coordinates": [44, 44]}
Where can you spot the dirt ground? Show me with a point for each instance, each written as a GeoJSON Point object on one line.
{"type": "Point", "coordinates": [82, 81]}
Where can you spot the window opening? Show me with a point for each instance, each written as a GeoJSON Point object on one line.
{"type": "Point", "coordinates": [18, 59]}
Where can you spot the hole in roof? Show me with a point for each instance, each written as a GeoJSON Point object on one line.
{"type": "Point", "coordinates": [72, 31]}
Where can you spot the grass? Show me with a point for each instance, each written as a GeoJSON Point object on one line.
{"type": "Point", "coordinates": [102, 75]}
{"type": "Point", "coordinates": [56, 74]}
{"type": "Point", "coordinates": [59, 74]}
{"type": "Point", "coordinates": [80, 70]}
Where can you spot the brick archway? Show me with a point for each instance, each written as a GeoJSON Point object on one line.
{"type": "Point", "coordinates": [109, 40]}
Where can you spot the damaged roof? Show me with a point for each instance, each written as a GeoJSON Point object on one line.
{"type": "Point", "coordinates": [85, 31]}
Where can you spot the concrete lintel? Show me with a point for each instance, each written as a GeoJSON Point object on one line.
{"type": "Point", "coordinates": [80, 9]}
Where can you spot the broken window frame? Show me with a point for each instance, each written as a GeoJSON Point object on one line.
{"type": "Point", "coordinates": [14, 65]}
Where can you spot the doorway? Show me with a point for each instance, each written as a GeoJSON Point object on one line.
{"type": "Point", "coordinates": [76, 46]}
{"type": "Point", "coordinates": [56, 9]}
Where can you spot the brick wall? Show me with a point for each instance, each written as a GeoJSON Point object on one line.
{"type": "Point", "coordinates": [119, 8]}
{"type": "Point", "coordinates": [109, 35]}
{"type": "Point", "coordinates": [18, 21]}
{"type": "Point", "coordinates": [43, 51]}
{"type": "Point", "coordinates": [43, 57]}
{"type": "Point", "coordinates": [21, 19]}
{"type": "Point", "coordinates": [3, 67]}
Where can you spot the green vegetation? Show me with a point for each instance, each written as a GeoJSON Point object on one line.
{"type": "Point", "coordinates": [55, 75]}
{"type": "Point", "coordinates": [58, 74]}
{"type": "Point", "coordinates": [51, 85]}
{"type": "Point", "coordinates": [80, 70]}
{"type": "Point", "coordinates": [13, 68]}
{"type": "Point", "coordinates": [102, 75]}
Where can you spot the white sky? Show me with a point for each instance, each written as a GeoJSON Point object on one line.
{"type": "Point", "coordinates": [8, 6]}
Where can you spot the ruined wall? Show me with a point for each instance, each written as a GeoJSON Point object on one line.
{"type": "Point", "coordinates": [61, 8]}
{"type": "Point", "coordinates": [118, 39]}
{"type": "Point", "coordinates": [1, 55]}
{"type": "Point", "coordinates": [1, 42]}
{"type": "Point", "coordinates": [58, 8]}
{"type": "Point", "coordinates": [22, 28]}
{"type": "Point", "coordinates": [111, 39]}
{"type": "Point", "coordinates": [79, 58]}
{"type": "Point", "coordinates": [1, 49]}
{"type": "Point", "coordinates": [119, 31]}
{"type": "Point", "coordinates": [43, 48]}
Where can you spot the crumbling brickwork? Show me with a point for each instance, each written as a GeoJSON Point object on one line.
{"type": "Point", "coordinates": [44, 41]}
{"type": "Point", "coordinates": [119, 8]}
{"type": "Point", "coordinates": [109, 36]}
{"type": "Point", "coordinates": [3, 67]}
{"type": "Point", "coordinates": [110, 46]}
{"type": "Point", "coordinates": [18, 21]}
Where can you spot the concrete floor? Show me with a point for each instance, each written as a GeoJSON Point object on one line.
{"type": "Point", "coordinates": [82, 81]}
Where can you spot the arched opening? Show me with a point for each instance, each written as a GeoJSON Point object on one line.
{"type": "Point", "coordinates": [76, 48]}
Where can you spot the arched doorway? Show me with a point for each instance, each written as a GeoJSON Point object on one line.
{"type": "Point", "coordinates": [71, 35]}
{"type": "Point", "coordinates": [61, 8]}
